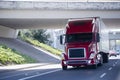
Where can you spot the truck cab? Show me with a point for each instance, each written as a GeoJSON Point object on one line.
{"type": "Point", "coordinates": [82, 44]}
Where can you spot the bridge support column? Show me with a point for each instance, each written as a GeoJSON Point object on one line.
{"type": "Point", "coordinates": [8, 32]}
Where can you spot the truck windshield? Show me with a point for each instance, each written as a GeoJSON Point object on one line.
{"type": "Point", "coordinates": [81, 37]}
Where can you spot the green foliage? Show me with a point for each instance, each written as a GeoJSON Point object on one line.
{"type": "Point", "coordinates": [11, 56]}
{"type": "Point", "coordinates": [44, 46]}
{"type": "Point", "coordinates": [39, 35]}
{"type": "Point", "coordinates": [38, 38]}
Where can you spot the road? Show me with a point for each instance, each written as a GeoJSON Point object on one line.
{"type": "Point", "coordinates": [109, 71]}
{"type": "Point", "coordinates": [36, 53]}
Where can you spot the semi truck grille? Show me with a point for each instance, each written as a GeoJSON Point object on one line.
{"type": "Point", "coordinates": [77, 62]}
{"type": "Point", "coordinates": [76, 52]}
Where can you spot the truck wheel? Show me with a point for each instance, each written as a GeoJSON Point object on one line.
{"type": "Point", "coordinates": [101, 61]}
{"type": "Point", "coordinates": [64, 67]}
{"type": "Point", "coordinates": [105, 57]}
{"type": "Point", "coordinates": [100, 64]}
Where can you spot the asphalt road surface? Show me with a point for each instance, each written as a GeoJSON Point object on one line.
{"type": "Point", "coordinates": [36, 53]}
{"type": "Point", "coordinates": [109, 71]}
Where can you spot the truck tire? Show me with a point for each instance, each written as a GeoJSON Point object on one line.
{"type": "Point", "coordinates": [64, 67]}
{"type": "Point", "coordinates": [105, 57]}
{"type": "Point", "coordinates": [101, 61]}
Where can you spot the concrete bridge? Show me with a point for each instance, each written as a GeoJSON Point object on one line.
{"type": "Point", "coordinates": [16, 15]}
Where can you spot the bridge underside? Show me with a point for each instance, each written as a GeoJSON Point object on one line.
{"type": "Point", "coordinates": [49, 23]}
{"type": "Point", "coordinates": [26, 19]}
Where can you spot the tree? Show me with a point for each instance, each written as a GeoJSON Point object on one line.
{"type": "Point", "coordinates": [40, 35]}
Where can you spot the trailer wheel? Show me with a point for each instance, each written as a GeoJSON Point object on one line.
{"type": "Point", "coordinates": [105, 57]}
{"type": "Point", "coordinates": [64, 67]}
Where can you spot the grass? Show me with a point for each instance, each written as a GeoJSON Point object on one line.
{"type": "Point", "coordinates": [11, 56]}
{"type": "Point", "coordinates": [44, 46]}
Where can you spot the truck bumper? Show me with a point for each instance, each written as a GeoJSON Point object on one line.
{"type": "Point", "coordinates": [78, 62]}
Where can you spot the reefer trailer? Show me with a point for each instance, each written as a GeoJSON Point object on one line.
{"type": "Point", "coordinates": [86, 43]}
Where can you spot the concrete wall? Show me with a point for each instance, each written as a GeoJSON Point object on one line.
{"type": "Point", "coordinates": [60, 5]}
{"type": "Point", "coordinates": [8, 32]}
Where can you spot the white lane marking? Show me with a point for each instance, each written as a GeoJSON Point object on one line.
{"type": "Point", "coordinates": [39, 74]}
{"type": "Point", "coordinates": [110, 68]}
{"type": "Point", "coordinates": [102, 75]}
{"type": "Point", "coordinates": [52, 66]}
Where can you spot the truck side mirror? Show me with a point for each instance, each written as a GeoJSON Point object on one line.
{"type": "Point", "coordinates": [62, 39]}
{"type": "Point", "coordinates": [98, 37]}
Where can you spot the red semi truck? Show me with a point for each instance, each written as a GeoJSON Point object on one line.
{"type": "Point", "coordinates": [86, 43]}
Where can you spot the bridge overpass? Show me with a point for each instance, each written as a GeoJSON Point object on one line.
{"type": "Point", "coordinates": [19, 15]}
{"type": "Point", "coordinates": [16, 15]}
